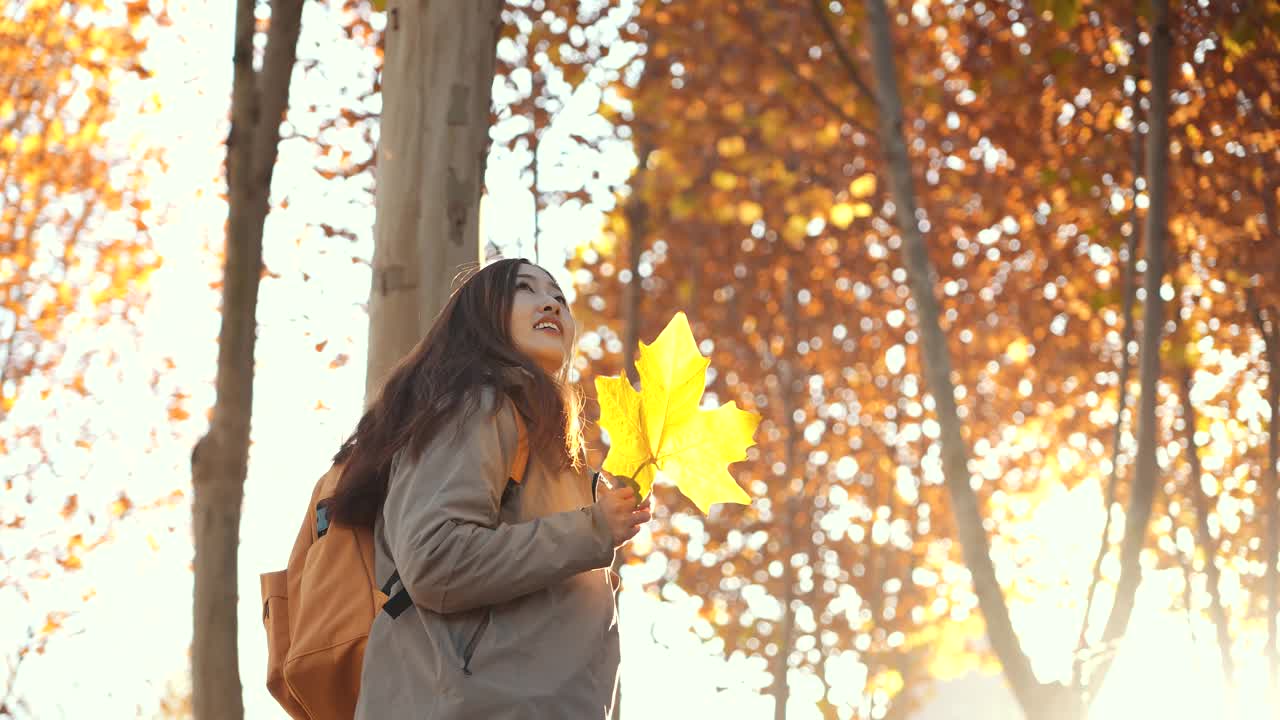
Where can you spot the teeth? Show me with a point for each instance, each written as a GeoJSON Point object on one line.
{"type": "Point", "coordinates": [547, 325]}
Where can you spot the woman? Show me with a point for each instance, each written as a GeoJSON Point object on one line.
{"type": "Point", "coordinates": [512, 610]}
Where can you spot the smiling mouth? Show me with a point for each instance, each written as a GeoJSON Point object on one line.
{"type": "Point", "coordinates": [547, 327]}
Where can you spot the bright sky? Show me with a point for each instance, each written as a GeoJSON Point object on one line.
{"type": "Point", "coordinates": [131, 639]}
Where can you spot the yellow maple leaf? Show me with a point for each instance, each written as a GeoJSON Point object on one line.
{"type": "Point", "coordinates": [662, 429]}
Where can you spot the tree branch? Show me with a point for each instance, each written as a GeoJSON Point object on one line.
{"type": "Point", "coordinates": [273, 85]}
{"type": "Point", "coordinates": [842, 53]}
{"type": "Point", "coordinates": [244, 97]}
{"type": "Point", "coordinates": [748, 20]}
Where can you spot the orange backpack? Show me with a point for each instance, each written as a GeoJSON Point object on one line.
{"type": "Point", "coordinates": [318, 610]}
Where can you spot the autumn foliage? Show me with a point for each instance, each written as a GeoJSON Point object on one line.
{"type": "Point", "coordinates": [736, 158]}
{"type": "Point", "coordinates": [763, 208]}
{"type": "Point", "coordinates": [75, 255]}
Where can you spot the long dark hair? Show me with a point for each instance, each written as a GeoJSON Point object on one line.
{"type": "Point", "coordinates": [469, 347]}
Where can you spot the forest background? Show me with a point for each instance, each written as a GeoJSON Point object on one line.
{"type": "Point", "coordinates": [1001, 277]}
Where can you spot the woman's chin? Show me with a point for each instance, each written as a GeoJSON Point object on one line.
{"type": "Point", "coordinates": [550, 360]}
{"type": "Point", "coordinates": [552, 365]}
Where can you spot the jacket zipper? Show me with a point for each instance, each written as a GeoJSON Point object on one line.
{"type": "Point", "coordinates": [471, 646]}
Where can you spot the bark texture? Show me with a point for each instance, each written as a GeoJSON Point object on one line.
{"type": "Point", "coordinates": [436, 86]}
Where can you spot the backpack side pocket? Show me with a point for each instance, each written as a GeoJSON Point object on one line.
{"type": "Point", "coordinates": [275, 620]}
{"type": "Point", "coordinates": [332, 618]}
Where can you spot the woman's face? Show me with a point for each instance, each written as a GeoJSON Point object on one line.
{"type": "Point", "coordinates": [541, 326]}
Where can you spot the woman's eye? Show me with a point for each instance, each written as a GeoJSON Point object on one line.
{"type": "Point", "coordinates": [560, 299]}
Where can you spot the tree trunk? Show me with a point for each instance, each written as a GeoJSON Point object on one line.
{"type": "Point", "coordinates": [780, 666]}
{"type": "Point", "coordinates": [637, 215]}
{"type": "Point", "coordinates": [436, 84]}
{"type": "Point", "coordinates": [1273, 511]}
{"type": "Point", "coordinates": [219, 460]}
{"type": "Point", "coordinates": [1143, 488]}
{"type": "Point", "coordinates": [1269, 187]}
{"type": "Point", "coordinates": [1213, 576]}
{"type": "Point", "coordinates": [1126, 365]}
{"type": "Point", "coordinates": [535, 138]}
{"type": "Point", "coordinates": [786, 628]}
{"type": "Point", "coordinates": [1031, 695]}
{"type": "Point", "coordinates": [1268, 325]}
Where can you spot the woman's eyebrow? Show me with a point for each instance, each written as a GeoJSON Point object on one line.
{"type": "Point", "coordinates": [556, 286]}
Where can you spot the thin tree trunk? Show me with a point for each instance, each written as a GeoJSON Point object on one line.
{"type": "Point", "coordinates": [219, 460]}
{"type": "Point", "coordinates": [1143, 489]}
{"type": "Point", "coordinates": [436, 87]}
{"type": "Point", "coordinates": [1273, 512]}
{"type": "Point", "coordinates": [637, 214]}
{"type": "Point", "coordinates": [786, 630]}
{"type": "Point", "coordinates": [781, 690]}
{"type": "Point", "coordinates": [1033, 697]}
{"type": "Point", "coordinates": [1266, 322]}
{"type": "Point", "coordinates": [1126, 364]}
{"type": "Point", "coordinates": [1188, 574]}
{"type": "Point", "coordinates": [1268, 189]}
{"type": "Point", "coordinates": [695, 278]}
{"type": "Point", "coordinates": [535, 139]}
{"type": "Point", "coordinates": [1200, 501]}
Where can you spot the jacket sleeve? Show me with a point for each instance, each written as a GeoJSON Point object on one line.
{"type": "Point", "coordinates": [441, 522]}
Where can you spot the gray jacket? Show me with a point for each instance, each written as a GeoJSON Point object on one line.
{"type": "Point", "coordinates": [513, 615]}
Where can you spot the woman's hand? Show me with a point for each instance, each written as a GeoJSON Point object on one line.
{"type": "Point", "coordinates": [621, 510]}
